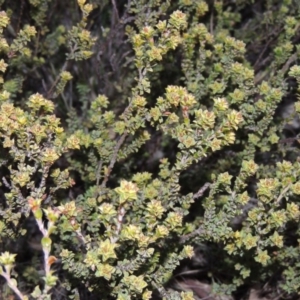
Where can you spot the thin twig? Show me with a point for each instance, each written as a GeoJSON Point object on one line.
{"type": "Point", "coordinates": [50, 92]}
{"type": "Point", "coordinates": [6, 275]}
{"type": "Point", "coordinates": [98, 173]}
{"type": "Point", "coordinates": [211, 23]}
{"type": "Point", "coordinates": [6, 183]}
{"type": "Point", "coordinates": [120, 217]}
{"type": "Point", "coordinates": [289, 62]}
{"type": "Point", "coordinates": [287, 141]}
{"type": "Point", "coordinates": [44, 178]}
{"type": "Point", "coordinates": [199, 231]}
{"type": "Point", "coordinates": [115, 9]}
{"type": "Point", "coordinates": [114, 158]}
{"type": "Point", "coordinates": [283, 193]}
{"type": "Point", "coordinates": [276, 31]}
{"type": "Point", "coordinates": [81, 237]}
{"type": "Point", "coordinates": [201, 190]}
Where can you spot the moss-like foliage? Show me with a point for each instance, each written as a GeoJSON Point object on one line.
{"type": "Point", "coordinates": [133, 132]}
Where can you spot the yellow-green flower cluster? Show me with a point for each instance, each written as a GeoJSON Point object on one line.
{"type": "Point", "coordinates": [177, 95]}
{"type": "Point", "coordinates": [7, 259]}
{"type": "Point", "coordinates": [173, 220]}
{"type": "Point", "coordinates": [127, 191]}
{"type": "Point", "coordinates": [37, 101]}
{"type": "Point", "coordinates": [266, 189]}
{"type": "Point", "coordinates": [205, 118]}
{"type": "Point", "coordinates": [4, 20]}
{"type": "Point", "coordinates": [105, 270]}
{"type": "Point", "coordinates": [107, 250]}
{"type": "Point", "coordinates": [135, 283]}
{"type": "Point", "coordinates": [178, 19]}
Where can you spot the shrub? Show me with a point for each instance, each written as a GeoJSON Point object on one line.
{"type": "Point", "coordinates": [134, 132]}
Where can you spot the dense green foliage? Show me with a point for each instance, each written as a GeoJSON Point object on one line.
{"type": "Point", "coordinates": [135, 133]}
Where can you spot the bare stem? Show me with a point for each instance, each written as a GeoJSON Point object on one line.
{"type": "Point", "coordinates": [115, 9]}
{"type": "Point", "coordinates": [114, 158]}
{"type": "Point", "coordinates": [199, 231]}
{"type": "Point", "coordinates": [10, 283]}
{"type": "Point", "coordinates": [43, 181]}
{"type": "Point", "coordinates": [46, 252]}
{"type": "Point", "coordinates": [120, 217]}
{"type": "Point", "coordinates": [98, 173]}
{"type": "Point", "coordinates": [201, 190]}
{"type": "Point", "coordinates": [50, 92]}
{"type": "Point", "coordinates": [283, 193]}
{"type": "Point", "coordinates": [5, 182]}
